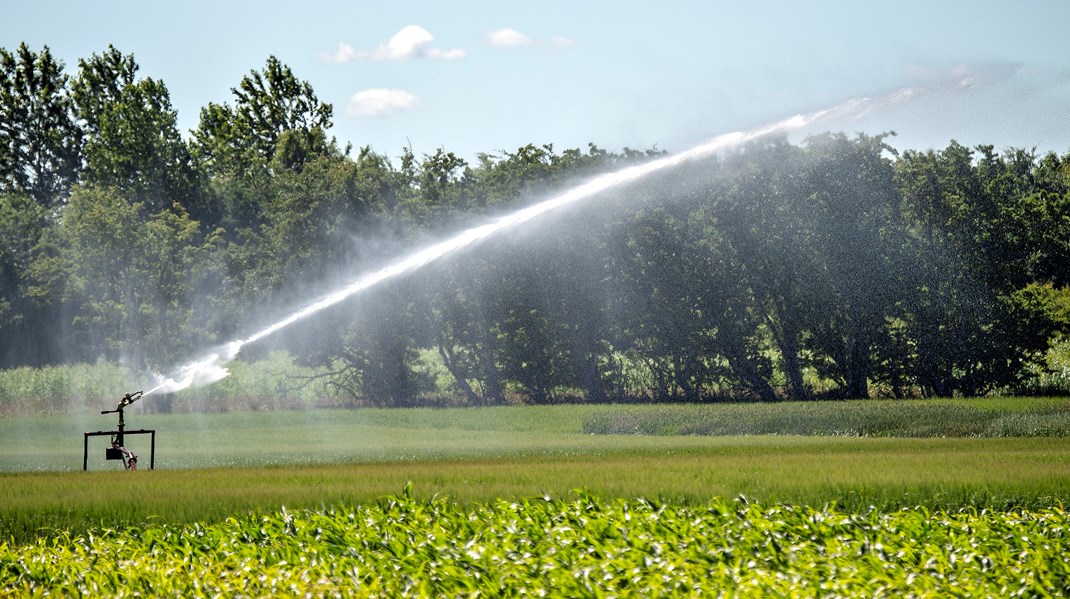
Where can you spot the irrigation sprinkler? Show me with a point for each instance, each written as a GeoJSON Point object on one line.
{"type": "Point", "coordinates": [118, 450]}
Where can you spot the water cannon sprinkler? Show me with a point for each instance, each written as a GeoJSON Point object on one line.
{"type": "Point", "coordinates": [124, 401]}
{"type": "Point", "coordinates": [118, 450]}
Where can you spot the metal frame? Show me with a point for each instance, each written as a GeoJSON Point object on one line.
{"type": "Point", "coordinates": [118, 441]}
{"type": "Point", "coordinates": [143, 431]}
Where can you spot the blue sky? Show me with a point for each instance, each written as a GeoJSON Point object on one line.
{"type": "Point", "coordinates": [490, 76]}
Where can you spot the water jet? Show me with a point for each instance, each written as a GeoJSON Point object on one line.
{"type": "Point", "coordinates": [211, 366]}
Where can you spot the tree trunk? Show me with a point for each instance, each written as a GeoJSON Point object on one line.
{"type": "Point", "coordinates": [748, 372]}
{"type": "Point", "coordinates": [493, 391]}
{"type": "Point", "coordinates": [787, 339]}
{"type": "Point", "coordinates": [460, 377]}
{"type": "Point", "coordinates": [596, 390]}
{"type": "Point", "coordinates": [858, 365]}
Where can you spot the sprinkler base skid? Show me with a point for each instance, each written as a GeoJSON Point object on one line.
{"type": "Point", "coordinates": [143, 431]}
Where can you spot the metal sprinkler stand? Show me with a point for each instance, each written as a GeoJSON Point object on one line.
{"type": "Point", "coordinates": [118, 450]}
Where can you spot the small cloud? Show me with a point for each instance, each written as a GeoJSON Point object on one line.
{"type": "Point", "coordinates": [345, 53]}
{"type": "Point", "coordinates": [561, 41]}
{"type": "Point", "coordinates": [411, 42]}
{"type": "Point", "coordinates": [380, 101]}
{"type": "Point", "coordinates": [453, 54]}
{"type": "Point", "coordinates": [511, 38]}
{"type": "Point", "coordinates": [508, 38]}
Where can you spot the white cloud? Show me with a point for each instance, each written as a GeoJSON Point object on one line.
{"type": "Point", "coordinates": [345, 53]}
{"type": "Point", "coordinates": [508, 37]}
{"type": "Point", "coordinates": [561, 41]}
{"type": "Point", "coordinates": [411, 42]}
{"type": "Point", "coordinates": [446, 54]}
{"type": "Point", "coordinates": [380, 101]}
{"type": "Point", "coordinates": [511, 38]}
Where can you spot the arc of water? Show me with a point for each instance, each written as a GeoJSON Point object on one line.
{"type": "Point", "coordinates": [211, 367]}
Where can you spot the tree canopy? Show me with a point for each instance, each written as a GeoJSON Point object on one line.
{"type": "Point", "coordinates": [831, 268]}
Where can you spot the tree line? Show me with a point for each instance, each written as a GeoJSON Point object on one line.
{"type": "Point", "coordinates": [832, 268]}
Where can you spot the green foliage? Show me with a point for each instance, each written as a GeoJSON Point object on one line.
{"type": "Point", "coordinates": [267, 105]}
{"type": "Point", "coordinates": [131, 276]}
{"type": "Point", "coordinates": [983, 228]}
{"type": "Point", "coordinates": [834, 268]}
{"type": "Point", "coordinates": [376, 361]}
{"type": "Point", "coordinates": [275, 382]}
{"type": "Point", "coordinates": [22, 330]}
{"type": "Point", "coordinates": [139, 150]}
{"type": "Point", "coordinates": [60, 389]}
{"type": "Point", "coordinates": [402, 546]}
{"type": "Point", "coordinates": [40, 143]}
{"type": "Point", "coordinates": [1052, 375]}
{"type": "Point", "coordinates": [132, 142]}
{"type": "Point", "coordinates": [99, 87]}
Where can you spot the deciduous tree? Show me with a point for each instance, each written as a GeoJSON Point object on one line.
{"type": "Point", "coordinates": [40, 142]}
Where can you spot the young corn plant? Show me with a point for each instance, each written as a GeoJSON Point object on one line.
{"type": "Point", "coordinates": [580, 546]}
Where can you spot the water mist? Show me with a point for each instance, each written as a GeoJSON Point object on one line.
{"type": "Point", "coordinates": [211, 367]}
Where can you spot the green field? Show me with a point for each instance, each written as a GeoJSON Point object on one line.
{"type": "Point", "coordinates": [214, 470]}
{"type": "Point", "coordinates": [211, 466]}
{"type": "Point", "coordinates": [580, 547]}
{"type": "Point", "coordinates": [198, 440]}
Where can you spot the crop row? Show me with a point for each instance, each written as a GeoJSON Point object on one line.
{"type": "Point", "coordinates": [581, 547]}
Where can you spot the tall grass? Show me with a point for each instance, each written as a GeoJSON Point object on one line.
{"type": "Point", "coordinates": [275, 382]}
{"type": "Point", "coordinates": [61, 389]}
{"type": "Point", "coordinates": [997, 417]}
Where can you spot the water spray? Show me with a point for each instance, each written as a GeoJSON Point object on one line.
{"type": "Point", "coordinates": [211, 367]}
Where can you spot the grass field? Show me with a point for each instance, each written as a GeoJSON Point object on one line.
{"type": "Point", "coordinates": [855, 498]}
{"type": "Point", "coordinates": [212, 466]}
{"type": "Point", "coordinates": [199, 440]}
